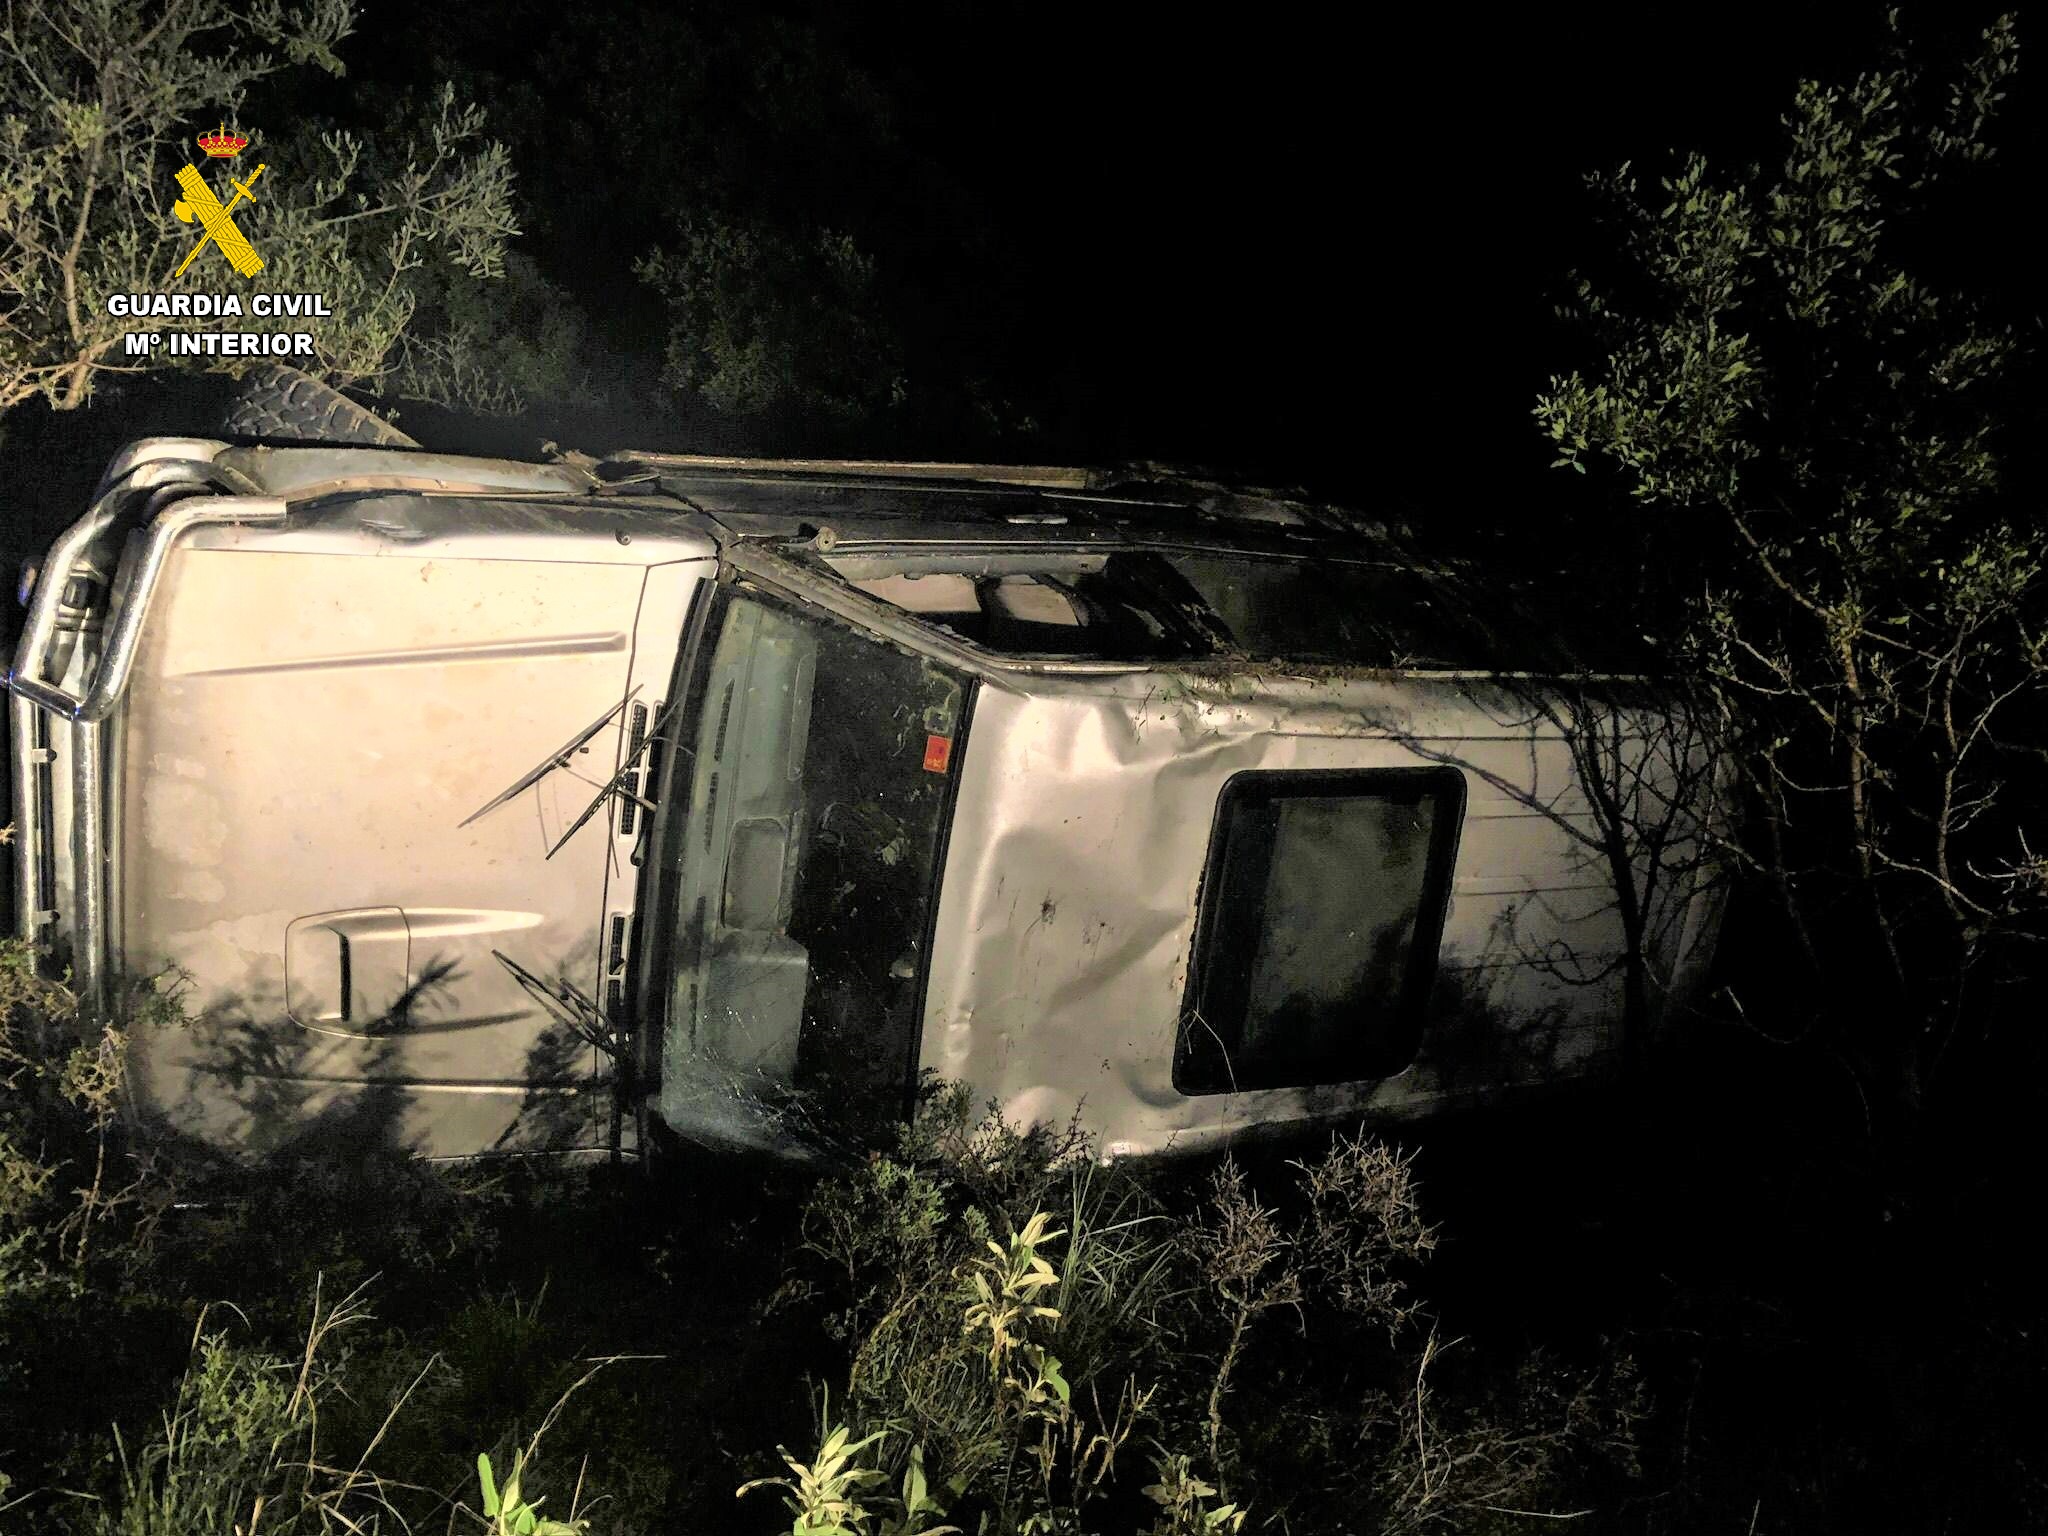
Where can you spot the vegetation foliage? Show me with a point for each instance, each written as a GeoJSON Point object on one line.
{"type": "Point", "coordinates": [1812, 427]}
{"type": "Point", "coordinates": [99, 104]}
{"type": "Point", "coordinates": [1004, 1336]}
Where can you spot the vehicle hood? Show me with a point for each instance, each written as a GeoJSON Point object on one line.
{"type": "Point", "coordinates": [296, 775]}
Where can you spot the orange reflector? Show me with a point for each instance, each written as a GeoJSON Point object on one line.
{"type": "Point", "coordinates": [938, 753]}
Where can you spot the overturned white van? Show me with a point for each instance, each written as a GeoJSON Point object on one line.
{"type": "Point", "coordinates": [487, 806]}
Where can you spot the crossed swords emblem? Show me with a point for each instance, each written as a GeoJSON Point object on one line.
{"type": "Point", "coordinates": [200, 203]}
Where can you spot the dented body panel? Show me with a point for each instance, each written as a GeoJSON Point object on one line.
{"type": "Point", "coordinates": [415, 769]}
{"type": "Point", "coordinates": [1080, 846]}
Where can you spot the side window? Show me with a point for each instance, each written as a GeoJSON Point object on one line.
{"type": "Point", "coordinates": [1129, 605]}
{"type": "Point", "coordinates": [1322, 908]}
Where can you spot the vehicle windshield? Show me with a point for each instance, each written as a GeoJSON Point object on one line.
{"type": "Point", "coordinates": [818, 771]}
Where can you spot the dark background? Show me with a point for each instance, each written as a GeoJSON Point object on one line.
{"type": "Point", "coordinates": [1302, 250]}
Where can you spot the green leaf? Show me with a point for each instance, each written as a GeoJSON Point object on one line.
{"type": "Point", "coordinates": [916, 1496]}
{"type": "Point", "coordinates": [1052, 1374]}
{"type": "Point", "coordinates": [490, 1485]}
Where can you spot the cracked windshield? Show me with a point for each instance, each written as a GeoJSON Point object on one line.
{"type": "Point", "coordinates": [807, 866]}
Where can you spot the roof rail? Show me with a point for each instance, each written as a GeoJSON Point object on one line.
{"type": "Point", "coordinates": [1204, 490]}
{"type": "Point", "coordinates": [1045, 476]}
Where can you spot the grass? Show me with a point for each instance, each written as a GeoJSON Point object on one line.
{"type": "Point", "coordinates": [1649, 1320]}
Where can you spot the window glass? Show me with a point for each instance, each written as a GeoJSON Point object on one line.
{"type": "Point", "coordinates": [1147, 605]}
{"type": "Point", "coordinates": [1126, 606]}
{"type": "Point", "coordinates": [1322, 908]}
{"type": "Point", "coordinates": [1409, 615]}
{"type": "Point", "coordinates": [817, 776]}
{"type": "Point", "coordinates": [1144, 605]}
{"type": "Point", "coordinates": [1373, 615]}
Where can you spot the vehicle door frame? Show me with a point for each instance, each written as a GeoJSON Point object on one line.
{"type": "Point", "coordinates": [654, 938]}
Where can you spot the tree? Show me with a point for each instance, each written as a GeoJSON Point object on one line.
{"type": "Point", "coordinates": [495, 347]}
{"type": "Point", "coordinates": [785, 214]}
{"type": "Point", "coordinates": [99, 100]}
{"type": "Point", "coordinates": [760, 320]}
{"type": "Point", "coordinates": [1811, 428]}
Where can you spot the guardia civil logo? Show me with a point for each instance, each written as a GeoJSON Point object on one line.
{"type": "Point", "coordinates": [199, 204]}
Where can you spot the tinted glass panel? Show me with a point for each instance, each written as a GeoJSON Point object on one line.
{"type": "Point", "coordinates": [1376, 616]}
{"type": "Point", "coordinates": [1322, 909]}
{"type": "Point", "coordinates": [1161, 605]}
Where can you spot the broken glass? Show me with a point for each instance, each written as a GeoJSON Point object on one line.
{"type": "Point", "coordinates": [807, 863]}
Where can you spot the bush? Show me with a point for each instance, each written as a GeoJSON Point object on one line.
{"type": "Point", "coordinates": [1000, 1335]}
{"type": "Point", "coordinates": [1016, 1316]}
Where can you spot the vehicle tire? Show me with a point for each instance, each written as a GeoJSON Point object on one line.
{"type": "Point", "coordinates": [277, 402]}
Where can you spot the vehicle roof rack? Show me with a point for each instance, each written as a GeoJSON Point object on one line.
{"type": "Point", "coordinates": [1204, 490]}
{"type": "Point", "coordinates": [1040, 476]}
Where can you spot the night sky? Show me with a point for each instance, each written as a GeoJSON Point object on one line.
{"type": "Point", "coordinates": [1309, 249]}
{"type": "Point", "coordinates": [1336, 252]}
{"type": "Point", "coordinates": [1295, 249]}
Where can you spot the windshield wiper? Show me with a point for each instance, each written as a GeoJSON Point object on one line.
{"type": "Point", "coordinates": [554, 760]}
{"type": "Point", "coordinates": [616, 785]}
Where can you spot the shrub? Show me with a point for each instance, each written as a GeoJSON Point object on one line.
{"type": "Point", "coordinates": [1020, 1340]}
{"type": "Point", "coordinates": [1015, 1314]}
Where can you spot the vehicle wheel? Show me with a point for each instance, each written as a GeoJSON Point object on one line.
{"type": "Point", "coordinates": [279, 402]}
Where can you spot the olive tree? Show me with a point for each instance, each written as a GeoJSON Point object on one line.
{"type": "Point", "coordinates": [99, 103]}
{"type": "Point", "coordinates": [1814, 430]}
{"type": "Point", "coordinates": [760, 319]}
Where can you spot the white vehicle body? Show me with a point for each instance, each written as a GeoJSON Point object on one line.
{"type": "Point", "coordinates": [889, 770]}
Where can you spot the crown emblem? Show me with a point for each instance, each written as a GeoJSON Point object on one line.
{"type": "Point", "coordinates": [221, 144]}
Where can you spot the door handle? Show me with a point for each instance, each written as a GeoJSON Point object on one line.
{"type": "Point", "coordinates": [346, 968]}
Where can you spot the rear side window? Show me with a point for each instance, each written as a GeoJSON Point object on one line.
{"type": "Point", "coordinates": [1374, 615]}
{"type": "Point", "coordinates": [1322, 908]}
{"type": "Point", "coordinates": [1129, 605]}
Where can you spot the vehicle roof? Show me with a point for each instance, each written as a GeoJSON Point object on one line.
{"type": "Point", "coordinates": [878, 500]}
{"type": "Point", "coordinates": [1129, 493]}
{"type": "Point", "coordinates": [1530, 626]}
